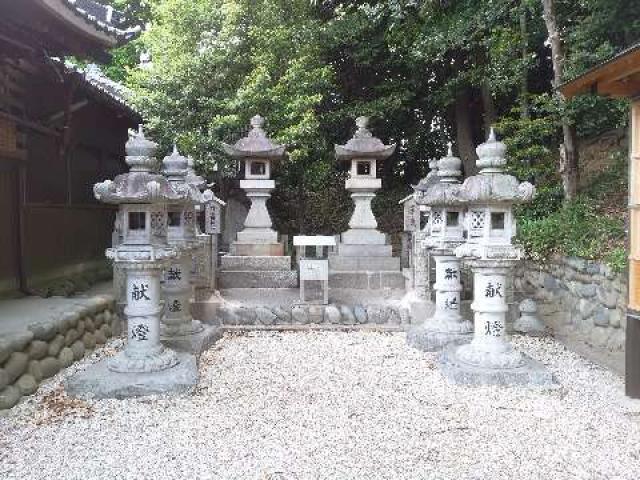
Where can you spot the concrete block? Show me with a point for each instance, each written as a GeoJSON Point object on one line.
{"type": "Point", "coordinates": [260, 263]}
{"type": "Point", "coordinates": [196, 343]}
{"type": "Point", "coordinates": [363, 263]}
{"type": "Point", "coordinates": [345, 250]}
{"type": "Point", "coordinates": [363, 237]}
{"type": "Point", "coordinates": [258, 279]}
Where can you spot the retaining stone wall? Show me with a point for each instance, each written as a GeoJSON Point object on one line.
{"type": "Point", "coordinates": [28, 357]}
{"type": "Point", "coordinates": [314, 314]}
{"type": "Point", "coordinates": [577, 298]}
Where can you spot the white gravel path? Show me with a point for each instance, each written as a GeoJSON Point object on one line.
{"type": "Point", "coordinates": [332, 405]}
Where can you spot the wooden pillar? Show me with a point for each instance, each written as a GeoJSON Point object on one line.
{"type": "Point", "coordinates": [632, 348]}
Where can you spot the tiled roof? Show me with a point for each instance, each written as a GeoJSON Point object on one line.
{"type": "Point", "coordinates": [103, 18]}
{"type": "Point", "coordinates": [102, 86]}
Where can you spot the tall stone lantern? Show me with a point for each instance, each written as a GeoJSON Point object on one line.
{"type": "Point", "coordinates": [145, 366]}
{"type": "Point", "coordinates": [179, 328]}
{"type": "Point", "coordinates": [446, 204]}
{"type": "Point", "coordinates": [364, 260]}
{"type": "Point", "coordinates": [258, 154]}
{"type": "Point", "coordinates": [363, 152]}
{"type": "Point", "coordinates": [490, 195]}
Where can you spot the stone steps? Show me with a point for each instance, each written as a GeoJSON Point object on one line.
{"type": "Point", "coordinates": [257, 279]}
{"type": "Point", "coordinates": [338, 263]}
{"type": "Point", "coordinates": [366, 280]}
{"type": "Point", "coordinates": [257, 263]}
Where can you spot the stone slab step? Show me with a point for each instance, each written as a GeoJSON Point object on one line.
{"type": "Point", "coordinates": [366, 280]}
{"type": "Point", "coordinates": [258, 279]}
{"type": "Point", "coordinates": [258, 263]}
{"type": "Point", "coordinates": [345, 250]}
{"type": "Point", "coordinates": [364, 264]}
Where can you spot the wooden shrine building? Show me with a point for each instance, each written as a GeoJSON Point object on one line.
{"type": "Point", "coordinates": [620, 77]}
{"type": "Point", "coordinates": [61, 130]}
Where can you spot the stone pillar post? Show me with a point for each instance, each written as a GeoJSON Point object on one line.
{"type": "Point", "coordinates": [489, 347]}
{"type": "Point", "coordinates": [448, 288]}
{"type": "Point", "coordinates": [178, 291]}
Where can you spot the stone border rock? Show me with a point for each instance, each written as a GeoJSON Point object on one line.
{"type": "Point", "coordinates": [231, 315]}
{"type": "Point", "coordinates": [41, 351]}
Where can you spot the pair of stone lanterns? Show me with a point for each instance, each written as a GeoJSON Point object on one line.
{"type": "Point", "coordinates": [474, 222]}
{"type": "Point", "coordinates": [158, 227]}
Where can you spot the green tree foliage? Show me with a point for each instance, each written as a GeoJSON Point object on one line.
{"type": "Point", "coordinates": [420, 69]}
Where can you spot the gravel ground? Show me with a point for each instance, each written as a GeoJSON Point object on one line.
{"type": "Point", "coordinates": [332, 405]}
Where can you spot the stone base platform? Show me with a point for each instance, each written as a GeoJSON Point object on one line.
{"type": "Point", "coordinates": [347, 250]}
{"type": "Point", "coordinates": [530, 374]}
{"type": "Point", "coordinates": [429, 340]}
{"type": "Point", "coordinates": [340, 263]}
{"type": "Point", "coordinates": [260, 271]}
{"type": "Point", "coordinates": [98, 382]}
{"type": "Point", "coordinates": [365, 280]}
{"type": "Point", "coordinates": [257, 249]}
{"type": "Point", "coordinates": [196, 343]}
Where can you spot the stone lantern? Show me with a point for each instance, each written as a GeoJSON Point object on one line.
{"type": "Point", "coordinates": [446, 204]}
{"type": "Point", "coordinates": [363, 152]}
{"type": "Point", "coordinates": [490, 195]}
{"type": "Point", "coordinates": [364, 260]}
{"type": "Point", "coordinates": [421, 260]}
{"type": "Point", "coordinates": [145, 366]}
{"type": "Point", "coordinates": [256, 258]}
{"type": "Point", "coordinates": [258, 154]}
{"type": "Point", "coordinates": [179, 329]}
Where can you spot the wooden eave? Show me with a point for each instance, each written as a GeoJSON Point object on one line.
{"type": "Point", "coordinates": [617, 77]}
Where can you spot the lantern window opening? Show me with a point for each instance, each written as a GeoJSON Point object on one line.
{"type": "Point", "coordinates": [137, 221]}
{"type": "Point", "coordinates": [453, 219]}
{"type": "Point", "coordinates": [497, 221]}
{"type": "Point", "coordinates": [174, 218]}
{"type": "Point", "coordinates": [363, 168]}
{"type": "Point", "coordinates": [258, 168]}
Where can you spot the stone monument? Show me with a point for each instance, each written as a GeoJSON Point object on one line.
{"type": "Point", "coordinates": [257, 257]}
{"type": "Point", "coordinates": [364, 259]}
{"type": "Point", "coordinates": [446, 204]}
{"type": "Point", "coordinates": [179, 329]}
{"type": "Point", "coordinates": [145, 366]}
{"type": "Point", "coordinates": [490, 358]}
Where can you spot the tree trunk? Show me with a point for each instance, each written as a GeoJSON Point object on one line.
{"type": "Point", "coordinates": [488, 107]}
{"type": "Point", "coordinates": [524, 55]}
{"type": "Point", "coordinates": [569, 161]}
{"type": "Point", "coordinates": [464, 132]}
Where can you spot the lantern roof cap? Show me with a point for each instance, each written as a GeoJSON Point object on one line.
{"type": "Point", "coordinates": [449, 167]}
{"type": "Point", "coordinates": [363, 144]}
{"type": "Point", "coordinates": [141, 184]}
{"type": "Point", "coordinates": [256, 144]}
{"type": "Point", "coordinates": [176, 169]}
{"type": "Point", "coordinates": [444, 188]}
{"type": "Point", "coordinates": [491, 185]}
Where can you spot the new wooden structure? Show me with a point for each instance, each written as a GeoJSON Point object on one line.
{"type": "Point", "coordinates": [620, 77]}
{"type": "Point", "coordinates": [61, 130]}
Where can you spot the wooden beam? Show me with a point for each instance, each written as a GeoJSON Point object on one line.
{"type": "Point", "coordinates": [30, 125]}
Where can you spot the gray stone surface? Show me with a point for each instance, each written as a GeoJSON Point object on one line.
{"type": "Point", "coordinates": [260, 263]}
{"type": "Point", "coordinates": [346, 250]}
{"type": "Point", "coordinates": [361, 314]}
{"type": "Point", "coordinates": [97, 381]}
{"type": "Point", "coordinates": [530, 374]}
{"type": "Point", "coordinates": [347, 314]}
{"type": "Point", "coordinates": [4, 379]}
{"type": "Point", "coordinates": [26, 384]}
{"type": "Point", "coordinates": [50, 366]}
{"type": "Point", "coordinates": [35, 370]}
{"type": "Point", "coordinates": [16, 365]}
{"type": "Point", "coordinates": [196, 343]}
{"type": "Point", "coordinates": [66, 357]}
{"type": "Point", "coordinates": [300, 314]}
{"type": "Point", "coordinates": [363, 263]}
{"type": "Point", "coordinates": [366, 280]}
{"type": "Point", "coordinates": [9, 397]}
{"type": "Point", "coordinates": [258, 279]}
{"type": "Point", "coordinates": [332, 314]}
{"type": "Point", "coordinates": [37, 349]}
{"type": "Point", "coordinates": [432, 340]}
{"type": "Point", "coordinates": [55, 346]}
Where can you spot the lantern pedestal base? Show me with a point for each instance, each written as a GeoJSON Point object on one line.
{"type": "Point", "coordinates": [529, 373]}
{"type": "Point", "coordinates": [194, 343]}
{"type": "Point", "coordinates": [98, 381]}
{"type": "Point", "coordinates": [433, 337]}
